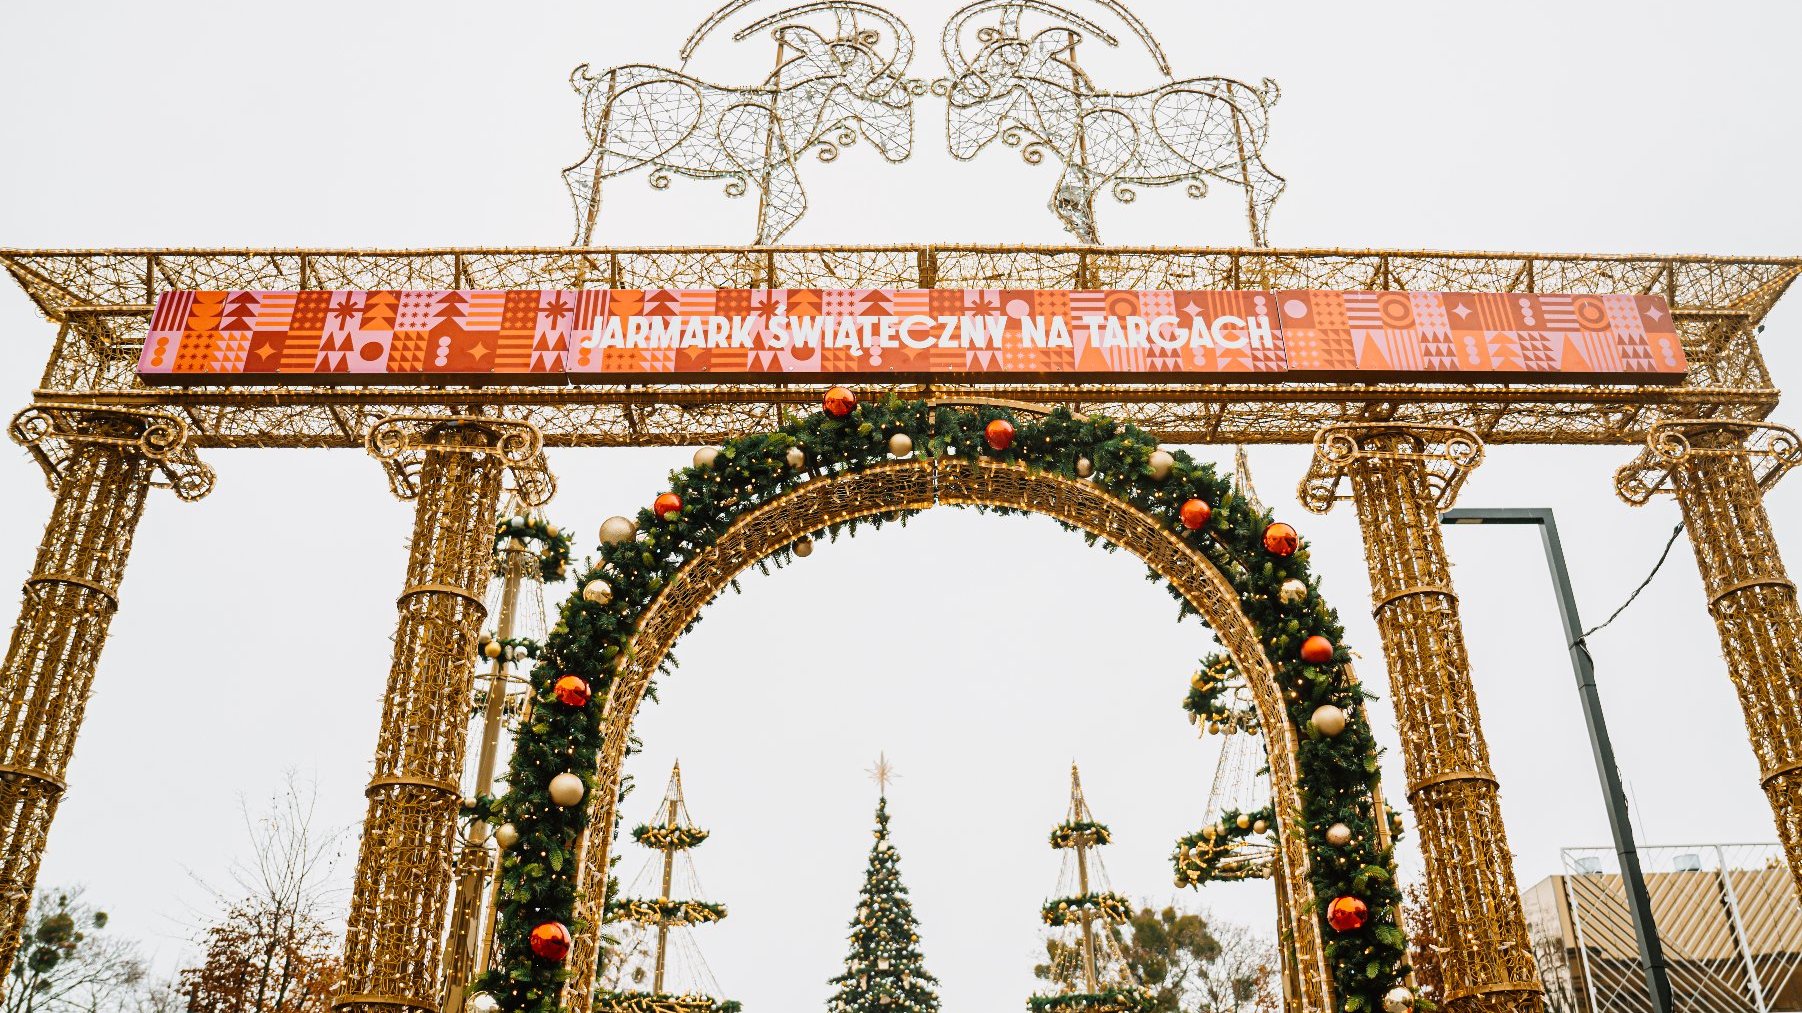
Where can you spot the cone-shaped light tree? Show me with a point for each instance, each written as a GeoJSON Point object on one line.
{"type": "Point", "coordinates": [884, 972]}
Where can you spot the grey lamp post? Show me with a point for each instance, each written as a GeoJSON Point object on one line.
{"type": "Point", "coordinates": [1639, 903]}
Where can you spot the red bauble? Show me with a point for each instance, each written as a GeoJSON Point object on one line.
{"type": "Point", "coordinates": [1317, 650]}
{"type": "Point", "coordinates": [573, 691]}
{"type": "Point", "coordinates": [1196, 513]}
{"type": "Point", "coordinates": [1281, 540]}
{"type": "Point", "coordinates": [999, 433]}
{"type": "Point", "coordinates": [839, 402]}
{"type": "Point", "coordinates": [551, 941]}
{"type": "Point", "coordinates": [1345, 914]}
{"type": "Point", "coordinates": [666, 505]}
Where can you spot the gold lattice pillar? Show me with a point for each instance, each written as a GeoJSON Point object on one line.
{"type": "Point", "coordinates": [1401, 478]}
{"type": "Point", "coordinates": [1719, 472]}
{"type": "Point", "coordinates": [101, 464]}
{"type": "Point", "coordinates": [452, 468]}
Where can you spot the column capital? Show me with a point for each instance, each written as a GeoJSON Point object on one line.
{"type": "Point", "coordinates": [1448, 452]}
{"type": "Point", "coordinates": [1771, 449]}
{"type": "Point", "coordinates": [401, 441]}
{"type": "Point", "coordinates": [52, 432]}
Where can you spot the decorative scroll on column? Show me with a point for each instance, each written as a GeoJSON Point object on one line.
{"type": "Point", "coordinates": [1401, 477]}
{"type": "Point", "coordinates": [452, 467]}
{"type": "Point", "coordinates": [101, 464]}
{"type": "Point", "coordinates": [1719, 471]}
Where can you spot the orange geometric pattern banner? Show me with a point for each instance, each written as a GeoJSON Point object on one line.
{"type": "Point", "coordinates": [588, 336]}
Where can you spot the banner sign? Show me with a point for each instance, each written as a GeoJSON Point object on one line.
{"type": "Point", "coordinates": [617, 336]}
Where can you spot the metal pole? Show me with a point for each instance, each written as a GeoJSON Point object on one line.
{"type": "Point", "coordinates": [1639, 901]}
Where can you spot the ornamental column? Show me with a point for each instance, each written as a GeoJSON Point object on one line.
{"type": "Point", "coordinates": [451, 466]}
{"type": "Point", "coordinates": [1719, 471]}
{"type": "Point", "coordinates": [1401, 477]}
{"type": "Point", "coordinates": [101, 464]}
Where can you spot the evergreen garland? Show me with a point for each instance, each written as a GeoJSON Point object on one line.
{"type": "Point", "coordinates": [885, 972]}
{"type": "Point", "coordinates": [553, 544]}
{"type": "Point", "coordinates": [1337, 774]}
{"type": "Point", "coordinates": [1109, 907]}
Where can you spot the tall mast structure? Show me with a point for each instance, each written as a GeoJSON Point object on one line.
{"type": "Point", "coordinates": [529, 552]}
{"type": "Point", "coordinates": [656, 968]}
{"type": "Point", "coordinates": [1088, 968]}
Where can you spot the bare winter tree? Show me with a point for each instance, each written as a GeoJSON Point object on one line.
{"type": "Point", "coordinates": [271, 948]}
{"type": "Point", "coordinates": [68, 963]}
{"type": "Point", "coordinates": [1244, 975]}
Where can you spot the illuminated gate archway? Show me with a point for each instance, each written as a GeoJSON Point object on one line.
{"type": "Point", "coordinates": [1220, 569]}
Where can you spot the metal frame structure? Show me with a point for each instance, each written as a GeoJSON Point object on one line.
{"type": "Point", "coordinates": [102, 300]}
{"type": "Point", "coordinates": [104, 439]}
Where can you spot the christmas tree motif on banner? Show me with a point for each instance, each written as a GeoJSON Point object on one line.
{"type": "Point", "coordinates": [1088, 968]}
{"type": "Point", "coordinates": [658, 968]}
{"type": "Point", "coordinates": [884, 972]}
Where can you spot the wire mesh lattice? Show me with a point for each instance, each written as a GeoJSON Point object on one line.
{"type": "Point", "coordinates": [1728, 917]}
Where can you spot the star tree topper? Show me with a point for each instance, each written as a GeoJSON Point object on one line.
{"type": "Point", "coordinates": [882, 773]}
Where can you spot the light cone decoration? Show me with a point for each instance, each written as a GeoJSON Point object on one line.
{"type": "Point", "coordinates": [1088, 969]}
{"type": "Point", "coordinates": [655, 966]}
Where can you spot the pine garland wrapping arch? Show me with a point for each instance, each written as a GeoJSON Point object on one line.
{"type": "Point", "coordinates": [1093, 475]}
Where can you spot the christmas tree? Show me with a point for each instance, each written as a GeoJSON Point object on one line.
{"type": "Point", "coordinates": [884, 973]}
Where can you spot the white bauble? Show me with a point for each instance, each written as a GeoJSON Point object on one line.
{"type": "Point", "coordinates": [900, 445]}
{"type": "Point", "coordinates": [1399, 1000]}
{"type": "Point", "coordinates": [1293, 591]}
{"type": "Point", "coordinates": [482, 1002]}
{"type": "Point", "coordinates": [506, 835]}
{"type": "Point", "coordinates": [567, 789]}
{"type": "Point", "coordinates": [516, 521]}
{"type": "Point", "coordinates": [1161, 462]}
{"type": "Point", "coordinates": [705, 456]}
{"type": "Point", "coordinates": [797, 458]}
{"type": "Point", "coordinates": [597, 591]}
{"type": "Point", "coordinates": [1338, 835]}
{"type": "Point", "coordinates": [803, 547]}
{"type": "Point", "coordinates": [615, 530]}
{"type": "Point", "coordinates": [1328, 720]}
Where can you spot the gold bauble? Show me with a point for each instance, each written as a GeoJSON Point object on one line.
{"type": "Point", "coordinates": [797, 458]}
{"type": "Point", "coordinates": [1213, 728]}
{"type": "Point", "coordinates": [1161, 462]}
{"type": "Point", "coordinates": [550, 532]}
{"type": "Point", "coordinates": [506, 835]}
{"type": "Point", "coordinates": [1293, 591]}
{"type": "Point", "coordinates": [1198, 681]}
{"type": "Point", "coordinates": [1084, 467]}
{"type": "Point", "coordinates": [803, 547]}
{"type": "Point", "coordinates": [1259, 827]}
{"type": "Point", "coordinates": [492, 649]}
{"type": "Point", "coordinates": [1243, 821]}
{"type": "Point", "coordinates": [1328, 720]}
{"type": "Point", "coordinates": [705, 456]}
{"type": "Point", "coordinates": [615, 530]}
{"type": "Point", "coordinates": [1338, 835]}
{"type": "Point", "coordinates": [597, 591]}
{"type": "Point", "coordinates": [567, 789]}
{"type": "Point", "coordinates": [900, 445]}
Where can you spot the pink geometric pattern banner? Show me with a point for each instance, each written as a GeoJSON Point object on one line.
{"type": "Point", "coordinates": [602, 336]}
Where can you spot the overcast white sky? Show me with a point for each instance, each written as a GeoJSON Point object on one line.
{"type": "Point", "coordinates": [982, 654]}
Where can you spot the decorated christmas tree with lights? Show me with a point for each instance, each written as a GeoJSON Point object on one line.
{"type": "Point", "coordinates": [1088, 969]}
{"type": "Point", "coordinates": [884, 972]}
{"type": "Point", "coordinates": [655, 966]}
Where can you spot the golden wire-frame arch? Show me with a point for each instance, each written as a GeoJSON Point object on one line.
{"type": "Point", "coordinates": [907, 486]}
